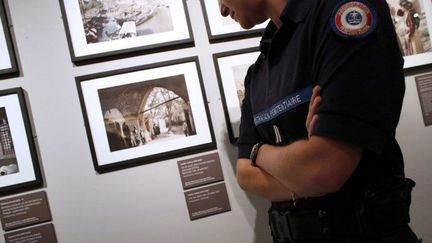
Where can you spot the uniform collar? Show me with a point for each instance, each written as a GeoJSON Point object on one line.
{"type": "Point", "coordinates": [267, 37]}
{"type": "Point", "coordinates": [296, 10]}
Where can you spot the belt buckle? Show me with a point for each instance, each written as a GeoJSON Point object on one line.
{"type": "Point", "coordinates": [280, 226]}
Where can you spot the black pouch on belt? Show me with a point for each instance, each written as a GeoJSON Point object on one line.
{"type": "Point", "coordinates": [386, 206]}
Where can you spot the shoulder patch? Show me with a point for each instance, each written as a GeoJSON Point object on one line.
{"type": "Point", "coordinates": [354, 19]}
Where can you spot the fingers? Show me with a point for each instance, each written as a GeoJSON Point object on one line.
{"type": "Point", "coordinates": [315, 93]}
{"type": "Point", "coordinates": [313, 110]}
{"type": "Point", "coordinates": [315, 104]}
{"type": "Point", "coordinates": [313, 123]}
{"type": "Point", "coordinates": [312, 118]}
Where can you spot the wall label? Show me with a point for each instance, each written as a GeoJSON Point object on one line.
{"type": "Point", "coordinates": [25, 210]}
{"type": "Point", "coordinates": [200, 171]}
{"type": "Point", "coordinates": [206, 201]}
{"type": "Point", "coordinates": [38, 234]}
{"type": "Point", "coordinates": [424, 89]}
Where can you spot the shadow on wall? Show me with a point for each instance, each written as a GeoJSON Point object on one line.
{"type": "Point", "coordinates": [262, 230]}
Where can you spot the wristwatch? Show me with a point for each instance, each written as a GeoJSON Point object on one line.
{"type": "Point", "coordinates": [254, 153]}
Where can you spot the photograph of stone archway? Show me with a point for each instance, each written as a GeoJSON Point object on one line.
{"type": "Point", "coordinates": [147, 112]}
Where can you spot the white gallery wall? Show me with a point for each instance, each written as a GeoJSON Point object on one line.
{"type": "Point", "coordinates": [146, 203]}
{"type": "Point", "coordinates": [416, 143]}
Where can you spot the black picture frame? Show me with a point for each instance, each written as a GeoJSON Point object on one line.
{"type": "Point", "coordinates": [230, 80]}
{"type": "Point", "coordinates": [8, 66]}
{"type": "Point", "coordinates": [217, 32]}
{"type": "Point", "coordinates": [120, 99]}
{"type": "Point", "coordinates": [19, 164]}
{"type": "Point", "coordinates": [176, 34]}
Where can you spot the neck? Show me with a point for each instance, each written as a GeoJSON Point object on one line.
{"type": "Point", "coordinates": [274, 10]}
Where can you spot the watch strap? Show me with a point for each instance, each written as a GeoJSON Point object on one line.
{"type": "Point", "coordinates": [254, 153]}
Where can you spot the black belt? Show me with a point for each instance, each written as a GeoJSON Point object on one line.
{"type": "Point", "coordinates": [321, 224]}
{"type": "Point", "coordinates": [304, 225]}
{"type": "Point", "coordinates": [381, 210]}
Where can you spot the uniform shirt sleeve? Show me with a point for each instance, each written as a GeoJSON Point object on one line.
{"type": "Point", "coordinates": [248, 135]}
{"type": "Point", "coordinates": [362, 83]}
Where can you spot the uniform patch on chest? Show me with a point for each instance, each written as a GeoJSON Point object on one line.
{"type": "Point", "coordinates": [354, 19]}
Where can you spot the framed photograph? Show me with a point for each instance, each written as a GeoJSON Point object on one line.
{"type": "Point", "coordinates": [231, 69]}
{"type": "Point", "coordinates": [102, 28]}
{"type": "Point", "coordinates": [19, 165]}
{"type": "Point", "coordinates": [8, 63]}
{"type": "Point", "coordinates": [413, 23]}
{"type": "Point", "coordinates": [221, 28]}
{"type": "Point", "coordinates": [145, 114]}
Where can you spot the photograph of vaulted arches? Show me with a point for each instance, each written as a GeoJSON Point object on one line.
{"type": "Point", "coordinates": [8, 161]}
{"type": "Point", "coordinates": [148, 112]}
{"type": "Point", "coordinates": [145, 114]}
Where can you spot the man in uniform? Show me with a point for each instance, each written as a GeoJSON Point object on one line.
{"type": "Point", "coordinates": [335, 66]}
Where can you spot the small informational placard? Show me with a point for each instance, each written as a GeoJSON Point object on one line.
{"type": "Point", "coordinates": [424, 88]}
{"type": "Point", "coordinates": [38, 234]}
{"type": "Point", "coordinates": [25, 210]}
{"type": "Point", "coordinates": [206, 201]}
{"type": "Point", "coordinates": [200, 171]}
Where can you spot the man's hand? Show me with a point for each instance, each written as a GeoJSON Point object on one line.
{"type": "Point", "coordinates": [312, 117]}
{"type": "Point", "coordinates": [253, 179]}
{"type": "Point", "coordinates": [313, 167]}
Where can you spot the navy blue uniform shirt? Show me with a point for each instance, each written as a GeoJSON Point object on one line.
{"type": "Point", "coordinates": [362, 84]}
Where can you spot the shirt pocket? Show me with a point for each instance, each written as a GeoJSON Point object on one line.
{"type": "Point", "coordinates": [290, 126]}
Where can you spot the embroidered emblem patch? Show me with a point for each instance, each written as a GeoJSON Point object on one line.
{"type": "Point", "coordinates": [354, 19]}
